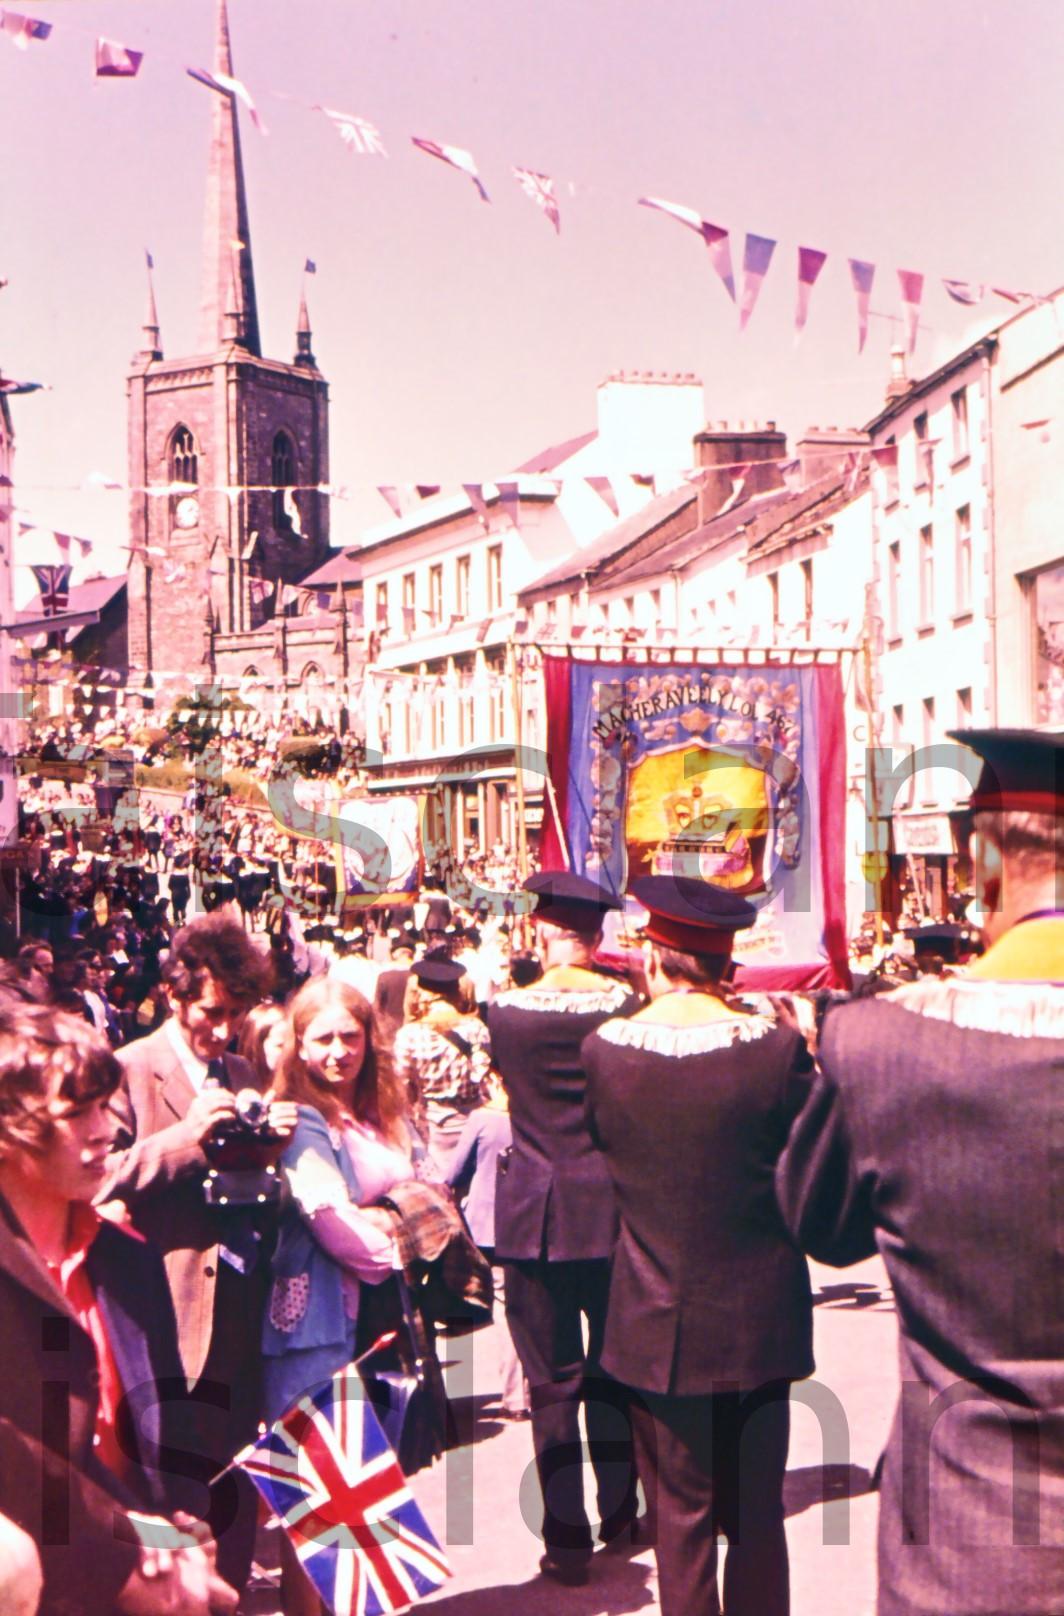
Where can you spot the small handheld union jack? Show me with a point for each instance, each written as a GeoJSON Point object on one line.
{"type": "Point", "coordinates": [328, 1473]}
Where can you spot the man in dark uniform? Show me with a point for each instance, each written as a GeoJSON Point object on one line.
{"type": "Point", "coordinates": [934, 1133]}
{"type": "Point", "coordinates": [710, 1314]}
{"type": "Point", "coordinates": [555, 1220]}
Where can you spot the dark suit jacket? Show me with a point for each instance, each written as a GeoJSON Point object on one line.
{"type": "Point", "coordinates": [50, 1481]}
{"type": "Point", "coordinates": [553, 1196]}
{"type": "Point", "coordinates": [158, 1171]}
{"type": "Point", "coordinates": [708, 1290]}
{"type": "Point", "coordinates": [389, 997]}
{"type": "Point", "coordinates": [938, 1137]}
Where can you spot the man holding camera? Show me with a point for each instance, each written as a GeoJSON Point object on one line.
{"type": "Point", "coordinates": [180, 1127]}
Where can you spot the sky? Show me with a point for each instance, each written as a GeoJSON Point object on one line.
{"type": "Point", "coordinates": [459, 338]}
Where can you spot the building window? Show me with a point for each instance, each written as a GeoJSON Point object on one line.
{"type": "Point", "coordinates": [382, 607]}
{"type": "Point", "coordinates": [436, 595]}
{"type": "Point", "coordinates": [959, 411]}
{"type": "Point", "coordinates": [774, 595]}
{"type": "Point", "coordinates": [964, 559]}
{"type": "Point", "coordinates": [922, 449]}
{"type": "Point", "coordinates": [409, 591]}
{"type": "Point", "coordinates": [629, 611]}
{"type": "Point", "coordinates": [466, 735]}
{"type": "Point", "coordinates": [894, 590]}
{"type": "Point", "coordinates": [184, 461]}
{"type": "Point", "coordinates": [655, 604]}
{"type": "Point", "coordinates": [890, 492]}
{"type": "Point", "coordinates": [494, 577]}
{"type": "Point", "coordinates": [807, 594]}
{"type": "Point", "coordinates": [897, 724]}
{"type": "Point", "coordinates": [964, 707]}
{"type": "Point", "coordinates": [928, 706]}
{"type": "Point", "coordinates": [282, 476]}
{"type": "Point", "coordinates": [461, 585]}
{"type": "Point", "coordinates": [927, 576]}
{"type": "Point", "coordinates": [386, 726]}
{"type": "Point", "coordinates": [552, 611]}
{"type": "Point", "coordinates": [497, 694]}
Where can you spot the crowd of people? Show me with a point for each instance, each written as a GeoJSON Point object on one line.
{"type": "Point", "coordinates": [239, 1151]}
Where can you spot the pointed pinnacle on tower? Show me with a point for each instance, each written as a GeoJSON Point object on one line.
{"type": "Point", "coordinates": [226, 222]}
{"type": "Point", "coordinates": [152, 348]}
{"type": "Point", "coordinates": [304, 351]}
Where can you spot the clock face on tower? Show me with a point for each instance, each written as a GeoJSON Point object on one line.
{"type": "Point", "coordinates": [186, 513]}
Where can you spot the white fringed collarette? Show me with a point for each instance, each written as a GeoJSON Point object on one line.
{"type": "Point", "coordinates": [660, 1039]}
{"type": "Point", "coordinates": [576, 1002]}
{"type": "Point", "coordinates": [1017, 1009]}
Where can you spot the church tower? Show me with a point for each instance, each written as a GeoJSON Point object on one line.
{"type": "Point", "coordinates": [231, 447]}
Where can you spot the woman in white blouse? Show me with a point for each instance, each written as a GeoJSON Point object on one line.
{"type": "Point", "coordinates": [351, 1145]}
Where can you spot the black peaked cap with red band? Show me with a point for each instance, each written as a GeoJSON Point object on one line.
{"type": "Point", "coordinates": [571, 901]}
{"type": "Point", "coordinates": [692, 916]}
{"type": "Point", "coordinates": [1023, 769]}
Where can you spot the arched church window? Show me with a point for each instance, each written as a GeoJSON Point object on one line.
{"type": "Point", "coordinates": [282, 476]}
{"type": "Point", "coordinates": [184, 460]}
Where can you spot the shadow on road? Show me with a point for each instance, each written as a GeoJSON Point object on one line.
{"type": "Point", "coordinates": [815, 1485]}
{"type": "Point", "coordinates": [614, 1588]}
{"type": "Point", "coordinates": [854, 1293]}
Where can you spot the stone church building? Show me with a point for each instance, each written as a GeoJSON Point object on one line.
{"type": "Point", "coordinates": [228, 467]}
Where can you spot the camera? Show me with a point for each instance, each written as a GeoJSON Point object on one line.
{"type": "Point", "coordinates": [238, 1176]}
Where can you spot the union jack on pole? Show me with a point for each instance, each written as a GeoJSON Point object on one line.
{"type": "Point", "coordinates": [328, 1473]}
{"type": "Point", "coordinates": [54, 585]}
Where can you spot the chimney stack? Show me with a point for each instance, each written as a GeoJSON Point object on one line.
{"type": "Point", "coordinates": [826, 450]}
{"type": "Point", "coordinates": [722, 449]}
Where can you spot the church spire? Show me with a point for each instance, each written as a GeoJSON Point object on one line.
{"type": "Point", "coordinates": [226, 236]}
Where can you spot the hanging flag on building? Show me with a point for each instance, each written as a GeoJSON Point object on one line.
{"type": "Point", "coordinates": [540, 187]}
{"type": "Point", "coordinates": [224, 85]}
{"type": "Point", "coordinates": [115, 61]}
{"type": "Point", "coordinates": [357, 134]}
{"type": "Point", "coordinates": [810, 263]}
{"type": "Point", "coordinates": [326, 1470]}
{"type": "Point", "coordinates": [604, 489]}
{"type": "Point", "coordinates": [62, 544]}
{"type": "Point", "coordinates": [715, 238]}
{"type": "Point", "coordinates": [473, 493]}
{"type": "Point", "coordinates": [511, 502]}
{"type": "Point", "coordinates": [911, 283]}
{"type": "Point", "coordinates": [20, 30]}
{"type": "Point", "coordinates": [965, 292]}
{"type": "Point", "coordinates": [757, 256]}
{"type": "Point", "coordinates": [54, 585]}
{"type": "Point", "coordinates": [456, 157]}
{"type": "Point", "coordinates": [862, 275]}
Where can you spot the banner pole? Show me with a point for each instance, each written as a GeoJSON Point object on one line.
{"type": "Point", "coordinates": [873, 787]}
{"type": "Point", "coordinates": [519, 779]}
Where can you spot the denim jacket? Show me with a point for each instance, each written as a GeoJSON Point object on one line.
{"type": "Point", "coordinates": [306, 1305]}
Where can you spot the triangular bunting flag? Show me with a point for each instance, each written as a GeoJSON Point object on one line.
{"type": "Point", "coordinates": [224, 85]}
{"type": "Point", "coordinates": [604, 488]}
{"type": "Point", "coordinates": [540, 187]}
{"type": "Point", "coordinates": [390, 496]}
{"type": "Point", "coordinates": [20, 30]}
{"type": "Point", "coordinates": [715, 238]}
{"type": "Point", "coordinates": [810, 263]}
{"type": "Point", "coordinates": [474, 494]}
{"type": "Point", "coordinates": [862, 275]}
{"type": "Point", "coordinates": [757, 255]}
{"type": "Point", "coordinates": [456, 157]}
{"type": "Point", "coordinates": [291, 510]}
{"type": "Point", "coordinates": [965, 292]}
{"type": "Point", "coordinates": [357, 134]}
{"type": "Point", "coordinates": [912, 291]}
{"type": "Point", "coordinates": [511, 503]}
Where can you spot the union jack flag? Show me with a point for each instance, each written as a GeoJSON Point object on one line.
{"type": "Point", "coordinates": [356, 133]}
{"type": "Point", "coordinates": [540, 187]}
{"type": "Point", "coordinates": [327, 1471]}
{"type": "Point", "coordinates": [54, 585]}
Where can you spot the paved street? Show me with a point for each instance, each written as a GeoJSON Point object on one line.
{"type": "Point", "coordinates": [474, 1498]}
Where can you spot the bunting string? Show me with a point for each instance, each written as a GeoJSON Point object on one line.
{"type": "Point", "coordinates": [113, 60]}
